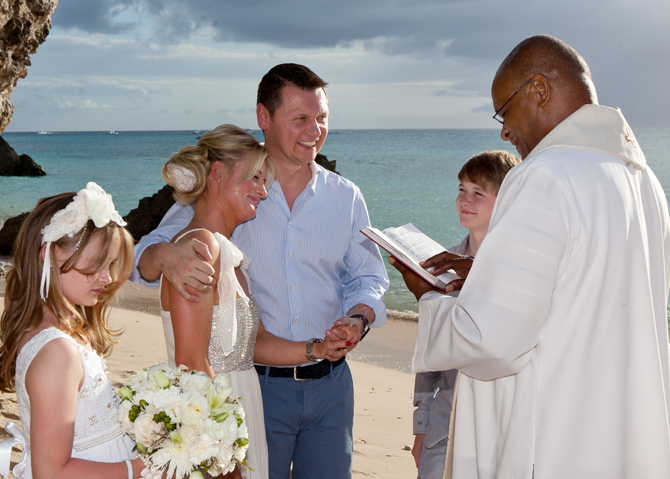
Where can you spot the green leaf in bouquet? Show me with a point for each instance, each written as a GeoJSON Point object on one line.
{"type": "Point", "coordinates": [221, 417]}
{"type": "Point", "coordinates": [141, 448]}
{"type": "Point", "coordinates": [239, 419]}
{"type": "Point", "coordinates": [126, 393]}
{"type": "Point", "coordinates": [242, 441]}
{"type": "Point", "coordinates": [175, 437]}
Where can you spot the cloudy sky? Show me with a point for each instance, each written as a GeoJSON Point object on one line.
{"type": "Point", "coordinates": [187, 65]}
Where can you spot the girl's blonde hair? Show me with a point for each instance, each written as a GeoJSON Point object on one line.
{"type": "Point", "coordinates": [24, 308]}
{"type": "Point", "coordinates": [228, 144]}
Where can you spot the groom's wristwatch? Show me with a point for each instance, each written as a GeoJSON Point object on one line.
{"type": "Point", "coordinates": [366, 324]}
{"type": "Point", "coordinates": [308, 349]}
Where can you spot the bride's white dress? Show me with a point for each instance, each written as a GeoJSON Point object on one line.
{"type": "Point", "coordinates": [238, 364]}
{"type": "Point", "coordinates": [97, 430]}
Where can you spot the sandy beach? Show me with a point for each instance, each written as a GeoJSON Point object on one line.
{"type": "Point", "coordinates": [380, 366]}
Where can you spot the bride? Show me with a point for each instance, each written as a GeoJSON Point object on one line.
{"type": "Point", "coordinates": [227, 175]}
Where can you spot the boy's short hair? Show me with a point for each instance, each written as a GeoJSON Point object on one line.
{"type": "Point", "coordinates": [488, 169]}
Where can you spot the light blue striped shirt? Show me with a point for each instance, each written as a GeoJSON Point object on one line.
{"type": "Point", "coordinates": [310, 265]}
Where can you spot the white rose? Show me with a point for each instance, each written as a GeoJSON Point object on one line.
{"type": "Point", "coordinates": [194, 408]}
{"type": "Point", "coordinates": [229, 427]}
{"type": "Point", "coordinates": [146, 430]}
{"type": "Point", "coordinates": [225, 459]}
{"type": "Point", "coordinates": [198, 381]}
{"type": "Point", "coordinates": [220, 382]}
{"type": "Point", "coordinates": [213, 429]}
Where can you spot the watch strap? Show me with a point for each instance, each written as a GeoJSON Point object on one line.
{"type": "Point", "coordinates": [308, 348]}
{"type": "Point", "coordinates": [366, 323]}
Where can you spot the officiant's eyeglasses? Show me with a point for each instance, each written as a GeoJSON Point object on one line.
{"type": "Point", "coordinates": [500, 119]}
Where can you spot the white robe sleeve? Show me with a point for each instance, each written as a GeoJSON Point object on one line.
{"type": "Point", "coordinates": [491, 329]}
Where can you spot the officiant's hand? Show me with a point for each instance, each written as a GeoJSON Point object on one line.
{"type": "Point", "coordinates": [185, 263]}
{"type": "Point", "coordinates": [414, 282]}
{"type": "Point", "coordinates": [445, 261]}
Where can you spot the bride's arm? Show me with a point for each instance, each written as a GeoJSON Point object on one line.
{"type": "Point", "coordinates": [192, 322]}
{"type": "Point", "coordinates": [276, 351]}
{"type": "Point", "coordinates": [52, 382]}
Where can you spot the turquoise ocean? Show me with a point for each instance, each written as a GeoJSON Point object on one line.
{"type": "Point", "coordinates": [407, 176]}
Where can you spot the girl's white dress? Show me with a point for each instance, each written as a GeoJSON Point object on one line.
{"type": "Point", "coordinates": [97, 430]}
{"type": "Point", "coordinates": [238, 318]}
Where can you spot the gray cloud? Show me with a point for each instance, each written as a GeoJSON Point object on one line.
{"type": "Point", "coordinates": [446, 49]}
{"type": "Point", "coordinates": [93, 16]}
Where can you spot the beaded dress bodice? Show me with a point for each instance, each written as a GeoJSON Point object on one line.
{"type": "Point", "coordinates": [242, 356]}
{"type": "Point", "coordinates": [96, 420]}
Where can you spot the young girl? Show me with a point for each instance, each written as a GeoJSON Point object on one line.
{"type": "Point", "coordinates": [71, 256]}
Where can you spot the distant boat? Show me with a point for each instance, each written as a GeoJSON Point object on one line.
{"type": "Point", "coordinates": [113, 132]}
{"type": "Point", "coordinates": [44, 133]}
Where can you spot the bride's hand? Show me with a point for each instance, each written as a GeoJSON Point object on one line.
{"type": "Point", "coordinates": [331, 348]}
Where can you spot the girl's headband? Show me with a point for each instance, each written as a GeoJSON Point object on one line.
{"type": "Point", "coordinates": [91, 203]}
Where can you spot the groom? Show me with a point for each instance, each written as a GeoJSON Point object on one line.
{"type": "Point", "coordinates": [311, 270]}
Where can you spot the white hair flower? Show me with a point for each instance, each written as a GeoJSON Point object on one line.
{"type": "Point", "coordinates": [184, 178]}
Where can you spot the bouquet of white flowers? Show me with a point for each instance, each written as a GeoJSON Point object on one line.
{"type": "Point", "coordinates": [183, 421]}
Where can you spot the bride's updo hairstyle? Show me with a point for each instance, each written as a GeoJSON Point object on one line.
{"type": "Point", "coordinates": [187, 170]}
{"type": "Point", "coordinates": [24, 307]}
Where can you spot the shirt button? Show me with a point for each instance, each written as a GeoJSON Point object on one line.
{"type": "Point", "coordinates": [289, 223]}
{"type": "Point", "coordinates": [289, 255]}
{"type": "Point", "coordinates": [293, 287]}
{"type": "Point", "coordinates": [295, 320]}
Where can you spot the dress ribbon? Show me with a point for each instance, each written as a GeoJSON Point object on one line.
{"type": "Point", "coordinates": [6, 451]}
{"type": "Point", "coordinates": [230, 257]}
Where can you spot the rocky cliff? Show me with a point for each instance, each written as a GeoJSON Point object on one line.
{"type": "Point", "coordinates": [11, 164]}
{"type": "Point", "coordinates": [24, 25]}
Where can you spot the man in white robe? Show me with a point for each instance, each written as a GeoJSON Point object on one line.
{"type": "Point", "coordinates": [560, 330]}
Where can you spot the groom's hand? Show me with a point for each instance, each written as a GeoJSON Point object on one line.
{"type": "Point", "coordinates": [183, 263]}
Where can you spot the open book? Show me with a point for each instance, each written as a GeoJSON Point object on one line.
{"type": "Point", "coordinates": [410, 246]}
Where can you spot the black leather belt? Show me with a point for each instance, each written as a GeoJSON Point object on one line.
{"type": "Point", "coordinates": [301, 373]}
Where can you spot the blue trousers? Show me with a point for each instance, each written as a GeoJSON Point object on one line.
{"type": "Point", "coordinates": [309, 424]}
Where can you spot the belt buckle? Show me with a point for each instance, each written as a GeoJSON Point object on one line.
{"type": "Point", "coordinates": [295, 375]}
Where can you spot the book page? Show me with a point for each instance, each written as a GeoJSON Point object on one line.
{"type": "Point", "coordinates": [414, 241]}
{"type": "Point", "coordinates": [419, 246]}
{"type": "Point", "coordinates": [401, 254]}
